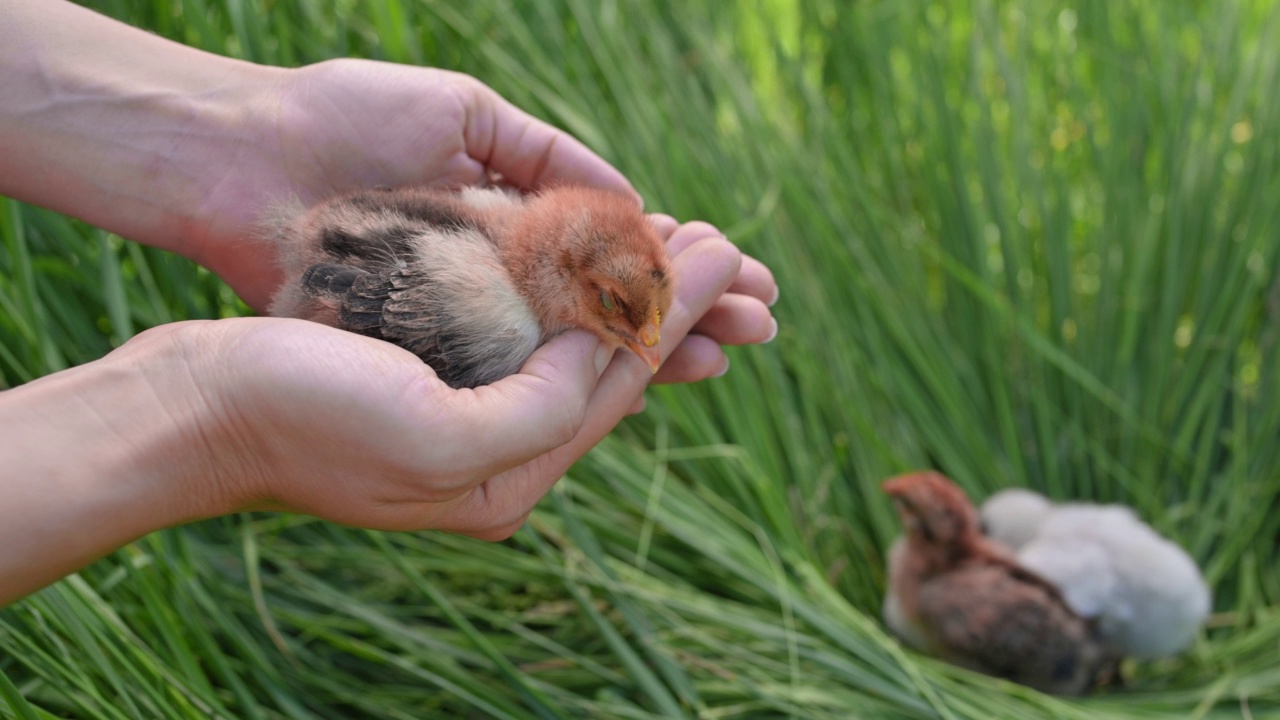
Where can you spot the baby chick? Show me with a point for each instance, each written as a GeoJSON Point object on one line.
{"type": "Point", "coordinates": [474, 280]}
{"type": "Point", "coordinates": [956, 595]}
{"type": "Point", "coordinates": [1013, 516]}
{"type": "Point", "coordinates": [1146, 593]}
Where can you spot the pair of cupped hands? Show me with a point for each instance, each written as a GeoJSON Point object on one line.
{"type": "Point", "coordinates": [293, 415]}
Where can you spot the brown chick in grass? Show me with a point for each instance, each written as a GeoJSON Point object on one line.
{"type": "Point", "coordinates": [958, 596]}
{"type": "Point", "coordinates": [474, 280]}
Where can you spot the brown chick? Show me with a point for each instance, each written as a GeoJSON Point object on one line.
{"type": "Point", "coordinates": [958, 596]}
{"type": "Point", "coordinates": [474, 280]}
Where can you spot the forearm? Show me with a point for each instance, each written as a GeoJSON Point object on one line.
{"type": "Point", "coordinates": [116, 126]}
{"type": "Point", "coordinates": [93, 458]}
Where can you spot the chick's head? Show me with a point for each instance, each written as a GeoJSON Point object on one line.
{"type": "Point", "coordinates": [619, 277]}
{"type": "Point", "coordinates": [1013, 516]}
{"type": "Point", "coordinates": [933, 509]}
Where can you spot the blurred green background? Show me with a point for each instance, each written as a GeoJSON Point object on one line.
{"type": "Point", "coordinates": [1027, 243]}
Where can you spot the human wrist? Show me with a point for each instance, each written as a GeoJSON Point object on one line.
{"type": "Point", "coordinates": [194, 452]}
{"type": "Point", "coordinates": [116, 126]}
{"type": "Point", "coordinates": [98, 456]}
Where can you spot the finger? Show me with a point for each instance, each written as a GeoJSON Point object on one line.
{"type": "Point", "coordinates": [529, 152]}
{"type": "Point", "coordinates": [690, 233]}
{"type": "Point", "coordinates": [697, 358]}
{"type": "Point", "coordinates": [703, 273]}
{"type": "Point", "coordinates": [638, 406]}
{"type": "Point", "coordinates": [755, 279]}
{"type": "Point", "coordinates": [737, 320]}
{"type": "Point", "coordinates": [664, 224]}
{"type": "Point", "coordinates": [522, 416]}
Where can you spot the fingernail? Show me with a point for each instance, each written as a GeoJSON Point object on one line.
{"type": "Point", "coordinates": [776, 292]}
{"type": "Point", "coordinates": [723, 370]}
{"type": "Point", "coordinates": [772, 333]}
{"type": "Point", "coordinates": [603, 356]}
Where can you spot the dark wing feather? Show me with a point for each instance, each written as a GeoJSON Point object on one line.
{"type": "Point", "coordinates": [988, 619]}
{"type": "Point", "coordinates": [420, 321]}
{"type": "Point", "coordinates": [365, 302]}
{"type": "Point", "coordinates": [376, 306]}
{"type": "Point", "coordinates": [327, 281]}
{"type": "Point", "coordinates": [393, 306]}
{"type": "Point", "coordinates": [419, 205]}
{"type": "Point", "coordinates": [374, 229]}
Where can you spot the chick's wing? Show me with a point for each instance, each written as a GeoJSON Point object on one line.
{"type": "Point", "coordinates": [996, 620]}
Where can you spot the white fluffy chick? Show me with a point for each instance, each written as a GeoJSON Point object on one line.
{"type": "Point", "coordinates": [1012, 517]}
{"type": "Point", "coordinates": [1146, 593]}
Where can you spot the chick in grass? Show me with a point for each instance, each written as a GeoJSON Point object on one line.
{"type": "Point", "coordinates": [955, 594]}
{"type": "Point", "coordinates": [1145, 593]}
{"type": "Point", "coordinates": [473, 280]}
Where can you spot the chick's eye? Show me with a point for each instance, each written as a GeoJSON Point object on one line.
{"type": "Point", "coordinates": [607, 299]}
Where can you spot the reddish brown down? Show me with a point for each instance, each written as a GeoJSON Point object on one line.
{"type": "Point", "coordinates": [599, 246]}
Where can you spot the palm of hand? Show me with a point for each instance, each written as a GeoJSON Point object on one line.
{"type": "Point", "coordinates": [298, 384]}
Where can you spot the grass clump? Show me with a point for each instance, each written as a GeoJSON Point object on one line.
{"type": "Point", "coordinates": [1025, 243]}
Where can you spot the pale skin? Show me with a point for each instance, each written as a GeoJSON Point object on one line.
{"type": "Point", "coordinates": [182, 150]}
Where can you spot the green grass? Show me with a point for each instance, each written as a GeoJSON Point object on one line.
{"type": "Point", "coordinates": [1024, 242]}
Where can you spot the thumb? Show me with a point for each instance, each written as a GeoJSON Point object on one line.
{"type": "Point", "coordinates": [536, 410]}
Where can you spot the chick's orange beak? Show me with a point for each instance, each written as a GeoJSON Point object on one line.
{"type": "Point", "coordinates": [646, 344]}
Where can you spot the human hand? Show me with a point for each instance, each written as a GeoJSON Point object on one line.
{"type": "Point", "coordinates": [197, 419]}
{"type": "Point", "coordinates": [184, 150]}
{"type": "Point", "coordinates": [345, 124]}
{"type": "Point", "coordinates": [306, 418]}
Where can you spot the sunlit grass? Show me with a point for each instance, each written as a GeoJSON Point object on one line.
{"type": "Point", "coordinates": [1026, 243]}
